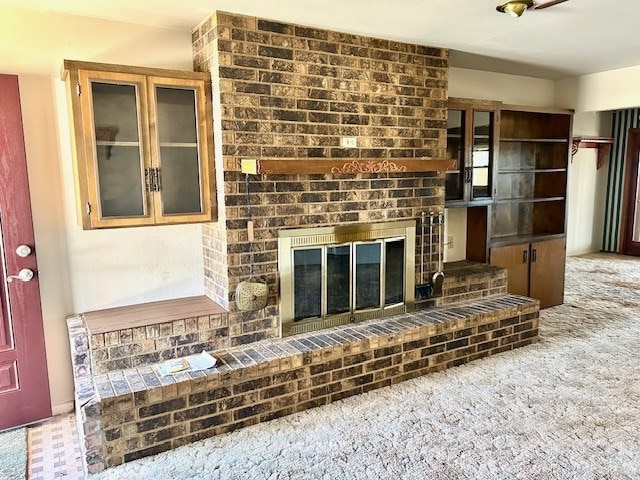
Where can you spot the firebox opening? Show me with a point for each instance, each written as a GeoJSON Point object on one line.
{"type": "Point", "coordinates": [335, 275]}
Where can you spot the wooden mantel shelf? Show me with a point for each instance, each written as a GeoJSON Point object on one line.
{"type": "Point", "coordinates": [345, 165]}
{"type": "Point", "coordinates": [603, 144]}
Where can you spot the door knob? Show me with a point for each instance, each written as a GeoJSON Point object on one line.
{"type": "Point", "coordinates": [24, 275]}
{"type": "Point", "coordinates": [23, 251]}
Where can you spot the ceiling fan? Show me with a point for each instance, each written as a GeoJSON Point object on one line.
{"type": "Point", "coordinates": [516, 8]}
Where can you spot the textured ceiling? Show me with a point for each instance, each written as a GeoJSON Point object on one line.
{"type": "Point", "coordinates": [573, 38]}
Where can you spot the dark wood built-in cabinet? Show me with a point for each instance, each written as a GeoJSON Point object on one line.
{"type": "Point", "coordinates": [520, 224]}
{"type": "Point", "coordinates": [535, 269]}
{"type": "Point", "coordinates": [531, 175]}
{"type": "Point", "coordinates": [528, 218]}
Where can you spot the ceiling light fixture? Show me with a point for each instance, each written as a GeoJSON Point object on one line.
{"type": "Point", "coordinates": [515, 8]}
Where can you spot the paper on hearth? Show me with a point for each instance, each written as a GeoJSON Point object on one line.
{"type": "Point", "coordinates": [190, 363]}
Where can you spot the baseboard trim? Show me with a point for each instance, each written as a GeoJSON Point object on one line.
{"type": "Point", "coordinates": [62, 408]}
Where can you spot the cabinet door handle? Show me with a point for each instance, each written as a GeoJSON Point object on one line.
{"type": "Point", "coordinates": [157, 180]}
{"type": "Point", "coordinates": [534, 255]}
{"type": "Point", "coordinates": [147, 179]}
{"type": "Point", "coordinates": [152, 179]}
{"type": "Point", "coordinates": [525, 256]}
{"type": "Point", "coordinates": [468, 173]}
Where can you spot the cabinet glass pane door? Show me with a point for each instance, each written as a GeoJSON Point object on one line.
{"type": "Point", "coordinates": [118, 150]}
{"type": "Point", "coordinates": [481, 155]}
{"type": "Point", "coordinates": [179, 158]}
{"type": "Point", "coordinates": [454, 188]}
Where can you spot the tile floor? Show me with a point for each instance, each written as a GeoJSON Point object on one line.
{"type": "Point", "coordinates": [54, 452]}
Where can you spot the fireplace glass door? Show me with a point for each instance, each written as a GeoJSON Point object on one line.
{"type": "Point", "coordinates": [345, 279]}
{"type": "Point", "coordinates": [393, 273]}
{"type": "Point", "coordinates": [307, 272]}
{"type": "Point", "coordinates": [338, 279]}
{"type": "Point", "coordinates": [331, 276]}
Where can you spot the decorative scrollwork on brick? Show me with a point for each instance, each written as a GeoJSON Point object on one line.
{"type": "Point", "coordinates": [383, 166]}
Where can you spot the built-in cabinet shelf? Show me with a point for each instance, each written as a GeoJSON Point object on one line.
{"type": "Point", "coordinates": [531, 174]}
{"type": "Point", "coordinates": [142, 142]}
{"type": "Point", "coordinates": [520, 222]}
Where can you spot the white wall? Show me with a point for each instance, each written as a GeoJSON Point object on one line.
{"type": "Point", "coordinates": [600, 92]}
{"type": "Point", "coordinates": [455, 228]}
{"type": "Point", "coordinates": [38, 113]}
{"type": "Point", "coordinates": [85, 270]}
{"type": "Point", "coordinates": [612, 90]}
{"type": "Point", "coordinates": [511, 89]}
{"type": "Point", "coordinates": [586, 187]}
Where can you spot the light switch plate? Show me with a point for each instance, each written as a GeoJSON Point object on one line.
{"type": "Point", "coordinates": [349, 142]}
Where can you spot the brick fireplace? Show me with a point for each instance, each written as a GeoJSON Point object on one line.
{"type": "Point", "coordinates": [290, 92]}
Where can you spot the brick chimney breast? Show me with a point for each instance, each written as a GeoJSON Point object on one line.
{"type": "Point", "coordinates": [292, 92]}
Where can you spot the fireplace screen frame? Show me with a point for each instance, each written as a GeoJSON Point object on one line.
{"type": "Point", "coordinates": [307, 238]}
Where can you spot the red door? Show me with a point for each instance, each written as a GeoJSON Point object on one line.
{"type": "Point", "coordinates": [24, 384]}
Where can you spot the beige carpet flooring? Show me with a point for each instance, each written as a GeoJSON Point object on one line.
{"type": "Point", "coordinates": [565, 408]}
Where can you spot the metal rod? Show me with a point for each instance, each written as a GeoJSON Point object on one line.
{"type": "Point", "coordinates": [441, 249]}
{"type": "Point", "coordinates": [250, 231]}
{"type": "Point", "coordinates": [423, 231]}
{"type": "Point", "coordinates": [431, 221]}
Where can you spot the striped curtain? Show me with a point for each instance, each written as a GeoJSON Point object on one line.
{"type": "Point", "coordinates": [623, 120]}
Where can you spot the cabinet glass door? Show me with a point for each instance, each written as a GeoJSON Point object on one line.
{"type": "Point", "coordinates": [178, 156]}
{"type": "Point", "coordinates": [178, 113]}
{"type": "Point", "coordinates": [118, 149]}
{"type": "Point", "coordinates": [482, 154]}
{"type": "Point", "coordinates": [454, 180]}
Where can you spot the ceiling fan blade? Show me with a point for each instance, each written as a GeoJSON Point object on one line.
{"type": "Point", "coordinates": [550, 3]}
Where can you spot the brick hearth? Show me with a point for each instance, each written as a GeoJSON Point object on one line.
{"type": "Point", "coordinates": [131, 413]}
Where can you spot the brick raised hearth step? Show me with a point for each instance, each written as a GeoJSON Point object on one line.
{"type": "Point", "coordinates": [127, 414]}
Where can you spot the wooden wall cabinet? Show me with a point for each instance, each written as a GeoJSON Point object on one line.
{"type": "Point", "coordinates": [143, 145]}
{"type": "Point", "coordinates": [534, 269]}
